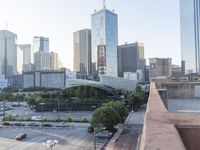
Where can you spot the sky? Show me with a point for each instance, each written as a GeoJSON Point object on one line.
{"type": "Point", "coordinates": [152, 22]}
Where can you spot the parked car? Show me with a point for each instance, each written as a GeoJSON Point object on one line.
{"type": "Point", "coordinates": [90, 129]}
{"type": "Point", "coordinates": [19, 124]}
{"type": "Point", "coordinates": [33, 124]}
{"type": "Point", "coordinates": [20, 136]}
{"type": "Point", "coordinates": [104, 134]}
{"type": "Point", "coordinates": [36, 118]}
{"type": "Point", "coordinates": [47, 125]}
{"type": "Point", "coordinates": [6, 124]}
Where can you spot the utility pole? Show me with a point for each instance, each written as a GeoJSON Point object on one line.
{"type": "Point", "coordinates": [4, 113]}
{"type": "Point", "coordinates": [59, 105]}
{"type": "Point", "coordinates": [42, 107]}
{"type": "Point", "coordinates": [94, 138]}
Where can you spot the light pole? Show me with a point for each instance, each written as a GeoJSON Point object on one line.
{"type": "Point", "coordinates": [58, 105]}
{"type": "Point", "coordinates": [42, 108]}
{"type": "Point", "coordinates": [4, 113]}
{"type": "Point", "coordinates": [50, 143]}
{"type": "Point", "coordinates": [94, 138]}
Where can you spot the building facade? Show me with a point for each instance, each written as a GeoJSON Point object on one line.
{"type": "Point", "coordinates": [42, 60]}
{"type": "Point", "coordinates": [131, 58]}
{"type": "Point", "coordinates": [8, 54]}
{"type": "Point", "coordinates": [190, 35]}
{"type": "Point", "coordinates": [47, 79]}
{"type": "Point", "coordinates": [23, 56]}
{"type": "Point", "coordinates": [159, 67]}
{"type": "Point", "coordinates": [82, 51]}
{"type": "Point", "coordinates": [40, 43]}
{"type": "Point", "coordinates": [54, 60]}
{"type": "Point", "coordinates": [104, 42]}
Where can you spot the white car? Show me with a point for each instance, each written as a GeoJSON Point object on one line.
{"type": "Point", "coordinates": [36, 118]}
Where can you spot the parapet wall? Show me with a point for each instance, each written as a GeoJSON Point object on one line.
{"type": "Point", "coordinates": [162, 129]}
{"type": "Point", "coordinates": [181, 90]}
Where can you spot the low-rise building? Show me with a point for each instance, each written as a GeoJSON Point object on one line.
{"type": "Point", "coordinates": [47, 79]}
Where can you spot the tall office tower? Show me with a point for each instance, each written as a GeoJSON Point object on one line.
{"type": "Point", "coordinates": [131, 58]}
{"type": "Point", "coordinates": [42, 61]}
{"type": "Point", "coordinates": [8, 54]}
{"type": "Point", "coordinates": [104, 42]}
{"type": "Point", "coordinates": [54, 60]}
{"type": "Point", "coordinates": [40, 44]}
{"type": "Point", "coordinates": [190, 35]}
{"type": "Point", "coordinates": [82, 51]}
{"type": "Point", "coordinates": [24, 56]}
{"type": "Point", "coordinates": [160, 67]}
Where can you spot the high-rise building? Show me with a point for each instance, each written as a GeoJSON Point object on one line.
{"type": "Point", "coordinates": [54, 60]}
{"type": "Point", "coordinates": [40, 44]}
{"type": "Point", "coordinates": [131, 58]}
{"type": "Point", "coordinates": [190, 35]}
{"type": "Point", "coordinates": [42, 60]}
{"type": "Point", "coordinates": [160, 67]}
{"type": "Point", "coordinates": [82, 51]}
{"type": "Point", "coordinates": [8, 54]}
{"type": "Point", "coordinates": [23, 56]}
{"type": "Point", "coordinates": [104, 42]}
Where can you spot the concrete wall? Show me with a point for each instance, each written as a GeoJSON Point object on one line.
{"type": "Point", "coordinates": [181, 90]}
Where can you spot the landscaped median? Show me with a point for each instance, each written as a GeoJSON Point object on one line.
{"type": "Point", "coordinates": [27, 121]}
{"type": "Point", "coordinates": [45, 124]}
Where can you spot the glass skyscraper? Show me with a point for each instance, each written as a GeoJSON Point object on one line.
{"type": "Point", "coordinates": [8, 54]}
{"type": "Point", "coordinates": [190, 35]}
{"type": "Point", "coordinates": [104, 42]}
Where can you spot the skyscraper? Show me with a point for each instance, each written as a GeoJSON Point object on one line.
{"type": "Point", "coordinates": [159, 67]}
{"type": "Point", "coordinates": [8, 54]}
{"type": "Point", "coordinates": [23, 56]}
{"type": "Point", "coordinates": [104, 42]}
{"type": "Point", "coordinates": [40, 44]}
{"type": "Point", "coordinates": [54, 60]}
{"type": "Point", "coordinates": [131, 58]}
{"type": "Point", "coordinates": [82, 51]}
{"type": "Point", "coordinates": [42, 60]}
{"type": "Point", "coordinates": [190, 34]}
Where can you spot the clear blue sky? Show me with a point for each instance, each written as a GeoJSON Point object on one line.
{"type": "Point", "coordinates": [153, 22]}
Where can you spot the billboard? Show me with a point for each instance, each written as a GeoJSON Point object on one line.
{"type": "Point", "coordinates": [101, 56]}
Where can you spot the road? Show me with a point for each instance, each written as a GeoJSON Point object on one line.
{"type": "Point", "coordinates": [69, 138]}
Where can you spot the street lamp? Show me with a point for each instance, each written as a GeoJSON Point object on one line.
{"type": "Point", "coordinates": [50, 143]}
{"type": "Point", "coordinates": [42, 107]}
{"type": "Point", "coordinates": [58, 109]}
{"type": "Point", "coordinates": [94, 138]}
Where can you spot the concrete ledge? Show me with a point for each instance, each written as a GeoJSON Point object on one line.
{"type": "Point", "coordinates": [160, 130]}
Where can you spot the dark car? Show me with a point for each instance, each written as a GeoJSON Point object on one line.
{"type": "Point", "coordinates": [20, 136]}
{"type": "Point", "coordinates": [47, 125]}
{"type": "Point", "coordinates": [19, 124]}
{"type": "Point", "coordinates": [6, 124]}
{"type": "Point", "coordinates": [90, 129]}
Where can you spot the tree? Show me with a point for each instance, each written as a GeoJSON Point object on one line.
{"type": "Point", "coordinates": [105, 117]}
{"type": "Point", "coordinates": [119, 107]}
{"type": "Point", "coordinates": [39, 100]}
{"type": "Point", "coordinates": [134, 101]}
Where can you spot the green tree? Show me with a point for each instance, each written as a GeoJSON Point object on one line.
{"type": "Point", "coordinates": [105, 117]}
{"type": "Point", "coordinates": [39, 100]}
{"type": "Point", "coordinates": [119, 107]}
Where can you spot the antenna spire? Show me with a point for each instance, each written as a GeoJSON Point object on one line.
{"type": "Point", "coordinates": [104, 4]}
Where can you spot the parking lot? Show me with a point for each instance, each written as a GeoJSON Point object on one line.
{"type": "Point", "coordinates": [27, 112]}
{"type": "Point", "coordinates": [72, 138]}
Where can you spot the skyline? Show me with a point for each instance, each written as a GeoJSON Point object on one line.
{"type": "Point", "coordinates": [145, 25]}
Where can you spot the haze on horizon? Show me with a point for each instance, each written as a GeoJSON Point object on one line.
{"type": "Point", "coordinates": [155, 23]}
